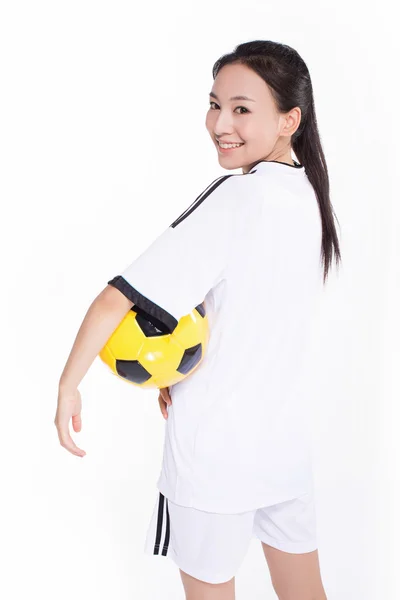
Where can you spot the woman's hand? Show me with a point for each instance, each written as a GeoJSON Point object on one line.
{"type": "Point", "coordinates": [69, 406]}
{"type": "Point", "coordinates": [164, 400]}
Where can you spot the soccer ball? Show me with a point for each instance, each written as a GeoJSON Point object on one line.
{"type": "Point", "coordinates": [144, 353]}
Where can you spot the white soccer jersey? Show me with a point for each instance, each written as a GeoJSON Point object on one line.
{"type": "Point", "coordinates": [249, 246]}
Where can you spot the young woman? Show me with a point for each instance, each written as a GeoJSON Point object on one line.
{"type": "Point", "coordinates": [255, 249]}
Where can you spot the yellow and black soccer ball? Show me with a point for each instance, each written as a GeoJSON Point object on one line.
{"type": "Point", "coordinates": [142, 351]}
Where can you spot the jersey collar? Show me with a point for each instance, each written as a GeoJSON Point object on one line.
{"type": "Point", "coordinates": [261, 164]}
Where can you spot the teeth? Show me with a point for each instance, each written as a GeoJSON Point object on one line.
{"type": "Point", "coordinates": [230, 145]}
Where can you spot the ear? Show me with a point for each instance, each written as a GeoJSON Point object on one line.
{"type": "Point", "coordinates": [291, 121]}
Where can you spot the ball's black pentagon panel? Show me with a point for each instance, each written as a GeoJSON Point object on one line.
{"type": "Point", "coordinates": [132, 370]}
{"type": "Point", "coordinates": [150, 326]}
{"type": "Point", "coordinates": [201, 309]}
{"type": "Point", "coordinates": [190, 358]}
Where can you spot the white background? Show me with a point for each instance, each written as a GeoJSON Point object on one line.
{"type": "Point", "coordinates": [98, 102]}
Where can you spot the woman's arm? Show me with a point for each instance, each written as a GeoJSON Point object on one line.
{"type": "Point", "coordinates": [102, 318]}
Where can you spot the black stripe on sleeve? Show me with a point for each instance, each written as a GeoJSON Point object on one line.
{"type": "Point", "coordinates": [204, 194]}
{"type": "Point", "coordinates": [144, 303]}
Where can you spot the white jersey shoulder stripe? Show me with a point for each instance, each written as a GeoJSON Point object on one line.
{"type": "Point", "coordinates": [201, 197]}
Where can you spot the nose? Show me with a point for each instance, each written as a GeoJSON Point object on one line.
{"type": "Point", "coordinates": [223, 125]}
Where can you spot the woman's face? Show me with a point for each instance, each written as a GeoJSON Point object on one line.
{"type": "Point", "coordinates": [253, 122]}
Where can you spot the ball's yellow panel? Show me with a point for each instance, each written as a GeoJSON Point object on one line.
{"type": "Point", "coordinates": [128, 339]}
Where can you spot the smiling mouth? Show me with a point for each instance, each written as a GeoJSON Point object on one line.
{"type": "Point", "coordinates": [222, 149]}
{"type": "Point", "coordinates": [219, 142]}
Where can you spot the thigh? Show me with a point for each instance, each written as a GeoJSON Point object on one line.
{"type": "Point", "coordinates": [288, 535]}
{"type": "Point", "coordinates": [207, 546]}
{"type": "Point", "coordinates": [294, 576]}
{"type": "Point", "coordinates": [196, 589]}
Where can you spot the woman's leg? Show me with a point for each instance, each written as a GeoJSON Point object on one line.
{"type": "Point", "coordinates": [294, 576]}
{"type": "Point", "coordinates": [195, 589]}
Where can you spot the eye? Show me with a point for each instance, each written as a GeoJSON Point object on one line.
{"type": "Point", "coordinates": [243, 107]}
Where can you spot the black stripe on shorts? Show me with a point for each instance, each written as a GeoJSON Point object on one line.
{"type": "Point", "coordinates": [162, 514]}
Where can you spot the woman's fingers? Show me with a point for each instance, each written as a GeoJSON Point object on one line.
{"type": "Point", "coordinates": [64, 436]}
{"type": "Point", "coordinates": [164, 400]}
{"type": "Point", "coordinates": [166, 396]}
{"type": "Point", "coordinates": [69, 406]}
{"type": "Point", "coordinates": [162, 406]}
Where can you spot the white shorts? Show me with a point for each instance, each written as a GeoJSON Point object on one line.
{"type": "Point", "coordinates": [212, 546]}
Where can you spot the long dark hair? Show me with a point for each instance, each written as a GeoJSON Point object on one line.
{"type": "Point", "coordinates": [288, 78]}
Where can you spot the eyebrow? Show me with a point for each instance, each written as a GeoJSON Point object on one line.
{"type": "Point", "coordinates": [233, 97]}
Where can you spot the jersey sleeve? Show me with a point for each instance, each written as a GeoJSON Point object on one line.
{"type": "Point", "coordinates": [173, 275]}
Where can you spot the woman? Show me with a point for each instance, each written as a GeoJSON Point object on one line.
{"type": "Point", "coordinates": [255, 249]}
